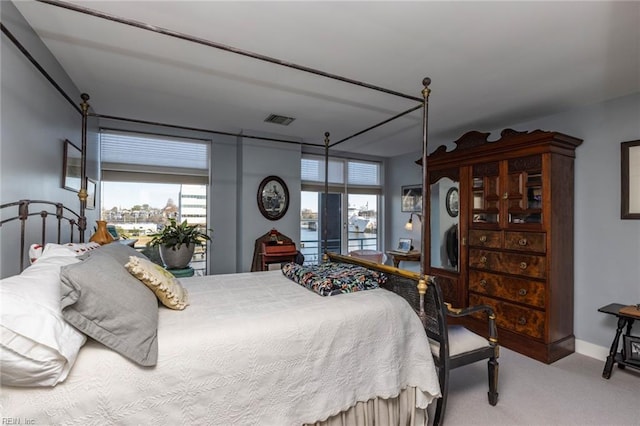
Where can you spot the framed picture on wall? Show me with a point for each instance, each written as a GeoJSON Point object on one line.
{"type": "Point", "coordinates": [71, 166]}
{"type": "Point", "coordinates": [630, 187]}
{"type": "Point", "coordinates": [91, 194]}
{"type": "Point", "coordinates": [412, 199]}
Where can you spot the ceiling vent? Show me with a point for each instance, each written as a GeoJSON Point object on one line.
{"type": "Point", "coordinates": [279, 119]}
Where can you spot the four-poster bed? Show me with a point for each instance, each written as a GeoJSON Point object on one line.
{"type": "Point", "coordinates": [251, 348]}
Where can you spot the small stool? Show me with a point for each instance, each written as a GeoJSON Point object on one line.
{"type": "Point", "coordinates": [622, 358]}
{"type": "Point", "coordinates": [182, 273]}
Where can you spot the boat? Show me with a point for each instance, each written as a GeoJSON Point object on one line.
{"type": "Point", "coordinates": [358, 224]}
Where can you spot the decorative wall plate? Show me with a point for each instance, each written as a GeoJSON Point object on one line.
{"type": "Point", "coordinates": [273, 198]}
{"type": "Point", "coordinates": [452, 203]}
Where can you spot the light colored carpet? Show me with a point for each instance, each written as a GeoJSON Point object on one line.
{"type": "Point", "coordinates": [570, 391]}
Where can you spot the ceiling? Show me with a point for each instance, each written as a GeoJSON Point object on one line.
{"type": "Point", "coordinates": [492, 64]}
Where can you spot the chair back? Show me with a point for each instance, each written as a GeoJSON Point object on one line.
{"type": "Point", "coordinates": [370, 255]}
{"type": "Point", "coordinates": [435, 320]}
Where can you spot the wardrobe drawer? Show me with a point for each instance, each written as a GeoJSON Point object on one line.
{"type": "Point", "coordinates": [508, 263]}
{"type": "Point", "coordinates": [525, 241]}
{"type": "Point", "coordinates": [482, 238]}
{"type": "Point", "coordinates": [514, 289]}
{"type": "Point", "coordinates": [513, 317]}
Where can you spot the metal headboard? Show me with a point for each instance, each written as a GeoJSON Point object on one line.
{"type": "Point", "coordinates": [44, 209]}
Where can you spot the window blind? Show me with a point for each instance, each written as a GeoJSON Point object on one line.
{"type": "Point", "coordinates": [354, 175]}
{"type": "Point", "coordinates": [134, 157]}
{"type": "Point", "coordinates": [361, 173]}
{"type": "Point", "coordinates": [312, 170]}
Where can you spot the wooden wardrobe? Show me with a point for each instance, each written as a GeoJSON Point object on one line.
{"type": "Point", "coordinates": [512, 203]}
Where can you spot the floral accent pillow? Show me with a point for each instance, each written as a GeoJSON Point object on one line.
{"type": "Point", "coordinates": [165, 286]}
{"type": "Point", "coordinates": [329, 279]}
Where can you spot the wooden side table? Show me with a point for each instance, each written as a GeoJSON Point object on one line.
{"type": "Point", "coordinates": [614, 355]}
{"type": "Point", "coordinates": [398, 256]}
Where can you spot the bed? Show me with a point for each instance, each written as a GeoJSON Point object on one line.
{"type": "Point", "coordinates": [260, 349]}
{"type": "Point", "coordinates": [248, 348]}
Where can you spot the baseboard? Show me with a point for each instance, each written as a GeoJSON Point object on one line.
{"type": "Point", "coordinates": [591, 350]}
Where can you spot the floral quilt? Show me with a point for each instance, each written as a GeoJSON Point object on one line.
{"type": "Point", "coordinates": [329, 279]}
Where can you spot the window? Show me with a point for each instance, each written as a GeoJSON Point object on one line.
{"type": "Point", "coordinates": [355, 184]}
{"type": "Point", "coordinates": [148, 178]}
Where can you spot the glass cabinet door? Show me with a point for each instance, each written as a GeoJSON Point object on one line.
{"type": "Point", "coordinates": [486, 193]}
{"type": "Point", "coordinates": [524, 190]}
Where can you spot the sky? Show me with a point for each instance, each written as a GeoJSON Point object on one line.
{"type": "Point", "coordinates": [126, 195]}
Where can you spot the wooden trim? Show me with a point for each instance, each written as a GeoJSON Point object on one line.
{"type": "Point", "coordinates": [373, 265]}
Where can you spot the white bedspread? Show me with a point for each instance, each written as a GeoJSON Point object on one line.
{"type": "Point", "coordinates": [251, 349]}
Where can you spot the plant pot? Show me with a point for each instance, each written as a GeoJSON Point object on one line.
{"type": "Point", "coordinates": [177, 259]}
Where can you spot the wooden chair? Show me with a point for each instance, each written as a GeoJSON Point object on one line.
{"type": "Point", "coordinates": [454, 346]}
{"type": "Point", "coordinates": [371, 255]}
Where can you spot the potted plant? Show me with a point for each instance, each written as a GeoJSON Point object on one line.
{"type": "Point", "coordinates": [176, 243]}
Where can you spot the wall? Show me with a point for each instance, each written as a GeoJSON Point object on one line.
{"type": "Point", "coordinates": [401, 171]}
{"type": "Point", "coordinates": [36, 120]}
{"type": "Point", "coordinates": [607, 249]}
{"type": "Point", "coordinates": [260, 159]}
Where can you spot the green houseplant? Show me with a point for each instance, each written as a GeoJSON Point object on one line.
{"type": "Point", "coordinates": [176, 243]}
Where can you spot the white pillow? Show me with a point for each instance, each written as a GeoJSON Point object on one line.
{"type": "Point", "coordinates": [36, 250]}
{"type": "Point", "coordinates": [37, 346]}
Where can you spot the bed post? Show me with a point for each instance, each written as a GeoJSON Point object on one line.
{"type": "Point", "coordinates": [325, 257]}
{"type": "Point", "coordinates": [82, 195]}
{"type": "Point", "coordinates": [425, 243]}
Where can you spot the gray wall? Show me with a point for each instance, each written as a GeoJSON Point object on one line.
{"type": "Point", "coordinates": [36, 120]}
{"type": "Point", "coordinates": [259, 160]}
{"type": "Point", "coordinates": [401, 171]}
{"type": "Point", "coordinates": [607, 249]}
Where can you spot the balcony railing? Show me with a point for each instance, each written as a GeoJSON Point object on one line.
{"type": "Point", "coordinates": [311, 249]}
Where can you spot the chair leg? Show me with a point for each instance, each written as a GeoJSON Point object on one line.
{"type": "Point", "coordinates": [493, 380]}
{"type": "Point", "coordinates": [441, 405]}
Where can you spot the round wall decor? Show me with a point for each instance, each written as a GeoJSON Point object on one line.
{"type": "Point", "coordinates": [273, 198]}
{"type": "Point", "coordinates": [452, 202]}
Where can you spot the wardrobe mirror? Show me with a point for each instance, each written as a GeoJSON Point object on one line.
{"type": "Point", "coordinates": [444, 223]}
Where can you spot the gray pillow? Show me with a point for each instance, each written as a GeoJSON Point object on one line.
{"type": "Point", "coordinates": [104, 301]}
{"type": "Point", "coordinates": [120, 252]}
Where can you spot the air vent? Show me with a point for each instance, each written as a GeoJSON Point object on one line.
{"type": "Point", "coordinates": [279, 119]}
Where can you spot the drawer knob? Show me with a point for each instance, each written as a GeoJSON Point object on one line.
{"type": "Point", "coordinates": [522, 320]}
{"type": "Point", "coordinates": [483, 283]}
{"type": "Point", "coordinates": [483, 260]}
{"type": "Point", "coordinates": [483, 238]}
{"type": "Point", "coordinates": [522, 292]}
{"type": "Point", "coordinates": [523, 241]}
{"type": "Point", "coordinates": [505, 195]}
{"type": "Point", "coordinates": [523, 265]}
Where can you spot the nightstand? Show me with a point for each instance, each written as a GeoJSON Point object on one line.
{"type": "Point", "coordinates": [182, 273]}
